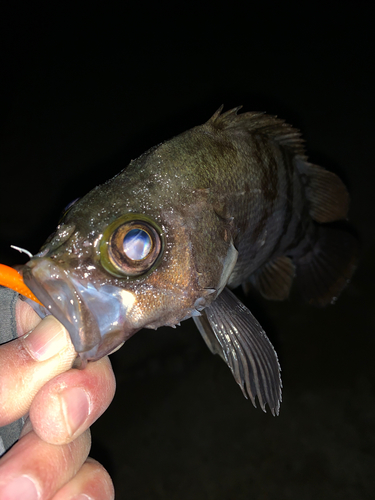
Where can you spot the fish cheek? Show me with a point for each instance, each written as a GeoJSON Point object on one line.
{"type": "Point", "coordinates": [172, 289]}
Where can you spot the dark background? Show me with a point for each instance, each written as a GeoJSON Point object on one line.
{"type": "Point", "coordinates": [87, 88]}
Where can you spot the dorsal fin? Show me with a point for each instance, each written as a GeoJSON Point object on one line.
{"type": "Point", "coordinates": [326, 193]}
{"type": "Point", "coordinates": [260, 123]}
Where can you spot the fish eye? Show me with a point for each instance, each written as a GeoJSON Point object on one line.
{"type": "Point", "coordinates": [131, 247]}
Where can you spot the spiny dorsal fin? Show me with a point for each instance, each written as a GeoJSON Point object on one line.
{"type": "Point", "coordinates": [260, 123]}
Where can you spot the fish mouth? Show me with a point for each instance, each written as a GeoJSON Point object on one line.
{"type": "Point", "coordinates": [96, 317]}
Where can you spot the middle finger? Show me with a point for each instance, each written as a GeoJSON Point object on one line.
{"type": "Point", "coordinates": [36, 469]}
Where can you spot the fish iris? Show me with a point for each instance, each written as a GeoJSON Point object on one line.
{"type": "Point", "coordinates": [137, 244]}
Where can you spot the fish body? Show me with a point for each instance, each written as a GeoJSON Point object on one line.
{"type": "Point", "coordinates": [230, 202]}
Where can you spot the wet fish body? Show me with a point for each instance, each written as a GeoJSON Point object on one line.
{"type": "Point", "coordinates": [230, 202]}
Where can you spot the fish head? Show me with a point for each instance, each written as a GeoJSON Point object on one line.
{"type": "Point", "coordinates": [111, 269]}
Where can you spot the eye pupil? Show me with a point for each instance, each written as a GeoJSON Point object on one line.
{"type": "Point", "coordinates": [137, 244]}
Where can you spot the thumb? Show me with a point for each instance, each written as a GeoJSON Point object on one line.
{"type": "Point", "coordinates": [29, 362]}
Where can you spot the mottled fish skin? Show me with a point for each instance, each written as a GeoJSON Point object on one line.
{"type": "Point", "coordinates": [236, 200]}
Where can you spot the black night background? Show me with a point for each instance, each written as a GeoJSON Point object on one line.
{"type": "Point", "coordinates": [88, 87]}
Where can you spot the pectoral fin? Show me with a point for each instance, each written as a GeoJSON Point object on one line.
{"type": "Point", "coordinates": [208, 335]}
{"type": "Point", "coordinates": [230, 330]}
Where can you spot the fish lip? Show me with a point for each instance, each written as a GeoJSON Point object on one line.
{"type": "Point", "coordinates": [96, 319]}
{"type": "Point", "coordinates": [43, 296]}
{"type": "Point", "coordinates": [48, 283]}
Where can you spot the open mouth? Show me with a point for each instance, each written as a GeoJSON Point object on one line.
{"type": "Point", "coordinates": [96, 317]}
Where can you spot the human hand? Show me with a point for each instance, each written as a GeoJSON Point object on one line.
{"type": "Point", "coordinates": [50, 459]}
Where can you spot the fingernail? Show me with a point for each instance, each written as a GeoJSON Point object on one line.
{"type": "Point", "coordinates": [47, 339]}
{"type": "Point", "coordinates": [81, 496]}
{"type": "Point", "coordinates": [20, 487]}
{"type": "Point", "coordinates": [76, 408]}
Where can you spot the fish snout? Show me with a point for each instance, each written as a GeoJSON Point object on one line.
{"type": "Point", "coordinates": [96, 316]}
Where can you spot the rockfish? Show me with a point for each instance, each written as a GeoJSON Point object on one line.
{"type": "Point", "coordinates": [227, 203]}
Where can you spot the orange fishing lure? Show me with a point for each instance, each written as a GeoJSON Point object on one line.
{"type": "Point", "coordinates": [11, 278]}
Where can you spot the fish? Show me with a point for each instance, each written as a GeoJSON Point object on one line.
{"type": "Point", "coordinates": [231, 202]}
